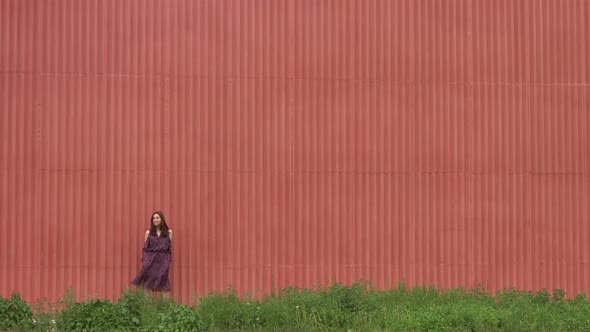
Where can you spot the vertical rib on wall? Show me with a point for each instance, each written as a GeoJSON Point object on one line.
{"type": "Point", "coordinates": [295, 142]}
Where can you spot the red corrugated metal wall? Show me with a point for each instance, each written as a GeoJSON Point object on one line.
{"type": "Point", "coordinates": [295, 143]}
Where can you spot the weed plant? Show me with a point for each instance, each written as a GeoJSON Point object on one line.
{"type": "Point", "coordinates": [15, 314]}
{"type": "Point", "coordinates": [357, 307]}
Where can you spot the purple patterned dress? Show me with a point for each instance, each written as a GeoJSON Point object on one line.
{"type": "Point", "coordinates": [155, 264]}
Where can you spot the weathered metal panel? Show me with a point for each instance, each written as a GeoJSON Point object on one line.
{"type": "Point", "coordinates": [295, 143]}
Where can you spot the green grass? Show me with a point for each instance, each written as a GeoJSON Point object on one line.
{"type": "Point", "coordinates": [358, 307]}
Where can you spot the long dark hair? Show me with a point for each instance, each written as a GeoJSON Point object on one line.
{"type": "Point", "coordinates": [163, 226]}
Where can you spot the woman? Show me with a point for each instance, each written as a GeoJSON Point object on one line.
{"type": "Point", "coordinates": [156, 256]}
